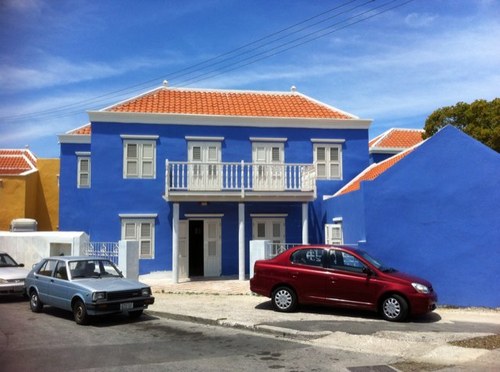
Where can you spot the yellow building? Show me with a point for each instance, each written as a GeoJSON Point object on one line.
{"type": "Point", "coordinates": [29, 188]}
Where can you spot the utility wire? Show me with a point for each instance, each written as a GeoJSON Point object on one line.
{"type": "Point", "coordinates": [270, 52]}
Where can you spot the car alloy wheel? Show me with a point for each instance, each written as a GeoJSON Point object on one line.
{"type": "Point", "coordinates": [394, 308]}
{"type": "Point", "coordinates": [35, 304]}
{"type": "Point", "coordinates": [80, 313]}
{"type": "Point", "coordinates": [284, 299]}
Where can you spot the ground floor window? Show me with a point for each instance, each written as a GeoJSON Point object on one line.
{"type": "Point", "coordinates": [141, 230]}
{"type": "Point", "coordinates": [272, 229]}
{"type": "Point", "coordinates": [333, 234]}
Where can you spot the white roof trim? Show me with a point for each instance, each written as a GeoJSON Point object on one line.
{"type": "Point", "coordinates": [386, 150]}
{"type": "Point", "coordinates": [220, 120]}
{"type": "Point", "coordinates": [74, 138]}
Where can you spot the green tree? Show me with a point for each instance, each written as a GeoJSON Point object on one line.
{"type": "Point", "coordinates": [480, 120]}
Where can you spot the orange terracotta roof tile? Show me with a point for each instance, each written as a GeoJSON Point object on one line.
{"type": "Point", "coordinates": [83, 130]}
{"type": "Point", "coordinates": [16, 162]}
{"type": "Point", "coordinates": [397, 138]}
{"type": "Point", "coordinates": [229, 103]}
{"type": "Point", "coordinates": [373, 171]}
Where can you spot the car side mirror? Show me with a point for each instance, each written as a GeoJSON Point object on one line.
{"type": "Point", "coordinates": [368, 271]}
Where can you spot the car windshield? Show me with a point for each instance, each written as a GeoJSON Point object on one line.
{"type": "Point", "coordinates": [7, 261]}
{"type": "Point", "coordinates": [379, 265]}
{"type": "Point", "coordinates": [93, 268]}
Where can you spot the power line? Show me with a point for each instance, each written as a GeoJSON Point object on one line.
{"type": "Point", "coordinates": [271, 51]}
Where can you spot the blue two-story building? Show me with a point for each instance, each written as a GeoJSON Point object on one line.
{"type": "Point", "coordinates": [194, 175]}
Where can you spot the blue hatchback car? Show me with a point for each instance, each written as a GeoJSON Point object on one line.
{"type": "Point", "coordinates": [86, 286]}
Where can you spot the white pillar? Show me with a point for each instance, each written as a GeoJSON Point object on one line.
{"type": "Point", "coordinates": [241, 241]}
{"type": "Point", "coordinates": [175, 243]}
{"type": "Point", "coordinates": [305, 224]}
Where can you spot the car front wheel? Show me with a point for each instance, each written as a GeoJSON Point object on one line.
{"type": "Point", "coordinates": [80, 313]}
{"type": "Point", "coordinates": [284, 299]}
{"type": "Point", "coordinates": [35, 304]}
{"type": "Point", "coordinates": [394, 308]}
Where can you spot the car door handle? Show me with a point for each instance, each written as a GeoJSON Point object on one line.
{"type": "Point", "coordinates": [295, 274]}
{"type": "Point", "coordinates": [52, 280]}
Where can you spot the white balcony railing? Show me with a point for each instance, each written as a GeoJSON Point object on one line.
{"type": "Point", "coordinates": [242, 177]}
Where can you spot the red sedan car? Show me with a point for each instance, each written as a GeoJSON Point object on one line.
{"type": "Point", "coordinates": [341, 276]}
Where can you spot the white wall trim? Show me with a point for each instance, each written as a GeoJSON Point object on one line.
{"type": "Point", "coordinates": [82, 153]}
{"type": "Point", "coordinates": [138, 215]}
{"type": "Point", "coordinates": [203, 138]}
{"type": "Point", "coordinates": [267, 139]}
{"type": "Point", "coordinates": [74, 138]}
{"type": "Point", "coordinates": [139, 136]}
{"type": "Point", "coordinates": [270, 215]}
{"type": "Point", "coordinates": [203, 215]}
{"type": "Point", "coordinates": [327, 140]}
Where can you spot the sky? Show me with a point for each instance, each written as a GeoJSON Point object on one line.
{"type": "Point", "coordinates": [393, 61]}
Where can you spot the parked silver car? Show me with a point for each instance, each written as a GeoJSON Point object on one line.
{"type": "Point", "coordinates": [12, 275]}
{"type": "Point", "coordinates": [86, 286]}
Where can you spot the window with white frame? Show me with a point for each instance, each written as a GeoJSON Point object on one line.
{"type": "Point", "coordinates": [139, 158]}
{"type": "Point", "coordinates": [333, 234]}
{"type": "Point", "coordinates": [83, 172]}
{"type": "Point", "coordinates": [328, 161]}
{"type": "Point", "coordinates": [141, 230]}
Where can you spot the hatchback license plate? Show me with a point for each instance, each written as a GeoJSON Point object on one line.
{"type": "Point", "coordinates": [127, 306]}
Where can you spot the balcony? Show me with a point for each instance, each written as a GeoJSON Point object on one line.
{"type": "Point", "coordinates": [203, 182]}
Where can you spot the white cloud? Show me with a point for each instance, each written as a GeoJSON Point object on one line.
{"type": "Point", "coordinates": [418, 20]}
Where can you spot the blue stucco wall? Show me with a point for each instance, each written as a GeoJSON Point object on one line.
{"type": "Point", "coordinates": [436, 214]}
{"type": "Point", "coordinates": [74, 206]}
{"type": "Point", "coordinates": [112, 195]}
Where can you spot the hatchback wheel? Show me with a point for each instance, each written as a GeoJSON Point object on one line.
{"type": "Point", "coordinates": [80, 313]}
{"type": "Point", "coordinates": [35, 304]}
{"type": "Point", "coordinates": [394, 308]}
{"type": "Point", "coordinates": [284, 299]}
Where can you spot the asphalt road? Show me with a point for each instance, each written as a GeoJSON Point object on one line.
{"type": "Point", "coordinates": [51, 341]}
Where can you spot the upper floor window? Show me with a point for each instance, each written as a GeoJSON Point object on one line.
{"type": "Point", "coordinates": [83, 172]}
{"type": "Point", "coordinates": [328, 161]}
{"type": "Point", "coordinates": [139, 156]}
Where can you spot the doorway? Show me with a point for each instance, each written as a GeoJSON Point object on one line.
{"type": "Point", "coordinates": [196, 262]}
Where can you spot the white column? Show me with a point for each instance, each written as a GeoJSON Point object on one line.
{"type": "Point", "coordinates": [305, 224]}
{"type": "Point", "coordinates": [175, 243]}
{"type": "Point", "coordinates": [241, 241]}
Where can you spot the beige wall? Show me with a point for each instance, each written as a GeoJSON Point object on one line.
{"type": "Point", "coordinates": [35, 195]}
{"type": "Point", "coordinates": [48, 194]}
{"type": "Point", "coordinates": [12, 199]}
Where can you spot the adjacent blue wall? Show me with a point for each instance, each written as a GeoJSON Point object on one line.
{"type": "Point", "coordinates": [436, 214]}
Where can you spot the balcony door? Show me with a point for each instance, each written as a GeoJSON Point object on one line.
{"type": "Point", "coordinates": [269, 166]}
{"type": "Point", "coordinates": [204, 171]}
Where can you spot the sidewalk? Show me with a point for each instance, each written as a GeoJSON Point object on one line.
{"type": "Point", "coordinates": [229, 302]}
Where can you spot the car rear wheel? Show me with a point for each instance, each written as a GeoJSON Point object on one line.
{"type": "Point", "coordinates": [134, 314]}
{"type": "Point", "coordinates": [80, 313]}
{"type": "Point", "coordinates": [35, 304]}
{"type": "Point", "coordinates": [284, 299]}
{"type": "Point", "coordinates": [394, 308]}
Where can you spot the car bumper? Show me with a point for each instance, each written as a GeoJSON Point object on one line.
{"type": "Point", "coordinates": [133, 304]}
{"type": "Point", "coordinates": [12, 288]}
{"type": "Point", "coordinates": [423, 303]}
